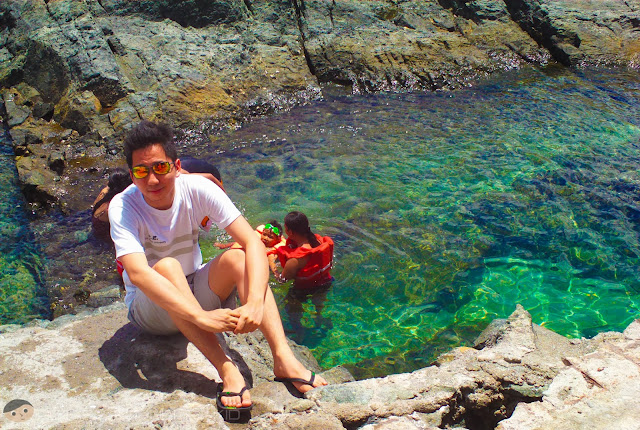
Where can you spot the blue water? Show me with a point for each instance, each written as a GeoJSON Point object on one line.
{"type": "Point", "coordinates": [449, 208]}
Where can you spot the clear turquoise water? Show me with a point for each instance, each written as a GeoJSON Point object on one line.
{"type": "Point", "coordinates": [450, 208]}
{"type": "Point", "coordinates": [447, 210]}
{"type": "Point", "coordinates": [22, 294]}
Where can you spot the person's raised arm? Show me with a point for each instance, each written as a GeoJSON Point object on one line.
{"type": "Point", "coordinates": [257, 274]}
{"type": "Point", "coordinates": [272, 264]}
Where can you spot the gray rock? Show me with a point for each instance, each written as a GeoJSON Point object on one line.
{"type": "Point", "coordinates": [56, 161]}
{"type": "Point", "coordinates": [37, 180]}
{"type": "Point", "coordinates": [33, 99]}
{"type": "Point", "coordinates": [489, 336]}
{"type": "Point", "coordinates": [419, 45]}
{"type": "Point", "coordinates": [104, 297]}
{"type": "Point", "coordinates": [17, 113]}
{"type": "Point", "coordinates": [316, 421]}
{"type": "Point", "coordinates": [94, 366]}
{"type": "Point", "coordinates": [598, 390]}
{"type": "Point", "coordinates": [185, 13]}
{"type": "Point", "coordinates": [582, 32]}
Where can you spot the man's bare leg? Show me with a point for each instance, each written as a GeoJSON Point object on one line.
{"type": "Point", "coordinates": [206, 342]}
{"type": "Point", "coordinates": [286, 365]}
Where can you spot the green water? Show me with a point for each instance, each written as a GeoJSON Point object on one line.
{"type": "Point", "coordinates": [448, 209]}
{"type": "Point", "coordinates": [22, 295]}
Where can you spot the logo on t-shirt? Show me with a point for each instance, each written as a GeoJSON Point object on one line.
{"type": "Point", "coordinates": [155, 239]}
{"type": "Point", "coordinates": [205, 223]}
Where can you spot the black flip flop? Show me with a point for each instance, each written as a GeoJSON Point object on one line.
{"type": "Point", "coordinates": [232, 413]}
{"type": "Point", "coordinates": [302, 381]}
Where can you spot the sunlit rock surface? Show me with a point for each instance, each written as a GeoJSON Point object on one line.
{"type": "Point", "coordinates": [96, 370]}
{"type": "Point", "coordinates": [75, 75]}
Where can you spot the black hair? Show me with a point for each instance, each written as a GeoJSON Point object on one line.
{"type": "Point", "coordinates": [193, 165]}
{"type": "Point", "coordinates": [275, 223]}
{"type": "Point", "coordinates": [118, 181]}
{"type": "Point", "coordinates": [148, 133]}
{"type": "Point", "coordinates": [15, 404]}
{"type": "Point", "coordinates": [298, 223]}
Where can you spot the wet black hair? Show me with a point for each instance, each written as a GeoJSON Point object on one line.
{"type": "Point", "coordinates": [298, 223]}
{"type": "Point", "coordinates": [193, 165]}
{"type": "Point", "coordinates": [148, 133]}
{"type": "Point", "coordinates": [118, 181]}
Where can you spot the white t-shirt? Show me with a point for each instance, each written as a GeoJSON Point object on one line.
{"type": "Point", "coordinates": [138, 227]}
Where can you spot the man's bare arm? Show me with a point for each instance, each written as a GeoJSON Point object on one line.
{"type": "Point", "coordinates": [174, 299]}
{"type": "Point", "coordinates": [257, 269]}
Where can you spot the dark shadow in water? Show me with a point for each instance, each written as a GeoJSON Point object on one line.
{"type": "Point", "coordinates": [140, 360]}
{"type": "Point", "coordinates": [293, 306]}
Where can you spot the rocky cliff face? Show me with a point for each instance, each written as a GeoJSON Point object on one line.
{"type": "Point", "coordinates": [76, 74]}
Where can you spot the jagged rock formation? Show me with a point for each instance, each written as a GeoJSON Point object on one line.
{"type": "Point", "coordinates": [76, 74]}
{"type": "Point", "coordinates": [98, 371]}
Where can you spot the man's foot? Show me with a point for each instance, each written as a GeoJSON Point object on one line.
{"type": "Point", "coordinates": [232, 413]}
{"type": "Point", "coordinates": [234, 399]}
{"type": "Point", "coordinates": [303, 384]}
{"type": "Point", "coordinates": [233, 382]}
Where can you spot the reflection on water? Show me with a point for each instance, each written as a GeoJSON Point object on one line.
{"type": "Point", "coordinates": [448, 209]}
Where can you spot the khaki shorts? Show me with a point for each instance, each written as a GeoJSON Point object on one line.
{"type": "Point", "coordinates": [151, 318]}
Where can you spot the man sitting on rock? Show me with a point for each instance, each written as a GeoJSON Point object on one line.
{"type": "Point", "coordinates": [154, 226]}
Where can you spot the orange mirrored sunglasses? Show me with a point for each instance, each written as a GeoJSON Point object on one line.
{"type": "Point", "coordinates": [159, 168]}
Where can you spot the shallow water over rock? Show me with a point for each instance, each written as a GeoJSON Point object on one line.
{"type": "Point", "coordinates": [22, 294]}
{"type": "Point", "coordinates": [449, 208]}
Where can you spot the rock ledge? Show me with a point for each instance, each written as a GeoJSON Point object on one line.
{"type": "Point", "coordinates": [96, 370]}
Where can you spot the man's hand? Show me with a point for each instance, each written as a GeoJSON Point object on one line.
{"type": "Point", "coordinates": [250, 317]}
{"type": "Point", "coordinates": [219, 320]}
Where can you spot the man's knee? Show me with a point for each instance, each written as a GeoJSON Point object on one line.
{"type": "Point", "coordinates": [233, 261]}
{"type": "Point", "coordinates": [167, 265]}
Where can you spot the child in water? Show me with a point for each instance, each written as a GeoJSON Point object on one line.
{"type": "Point", "coordinates": [270, 234]}
{"type": "Point", "coordinates": [307, 257]}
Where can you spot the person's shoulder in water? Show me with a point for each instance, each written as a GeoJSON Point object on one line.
{"type": "Point", "coordinates": [201, 167]}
